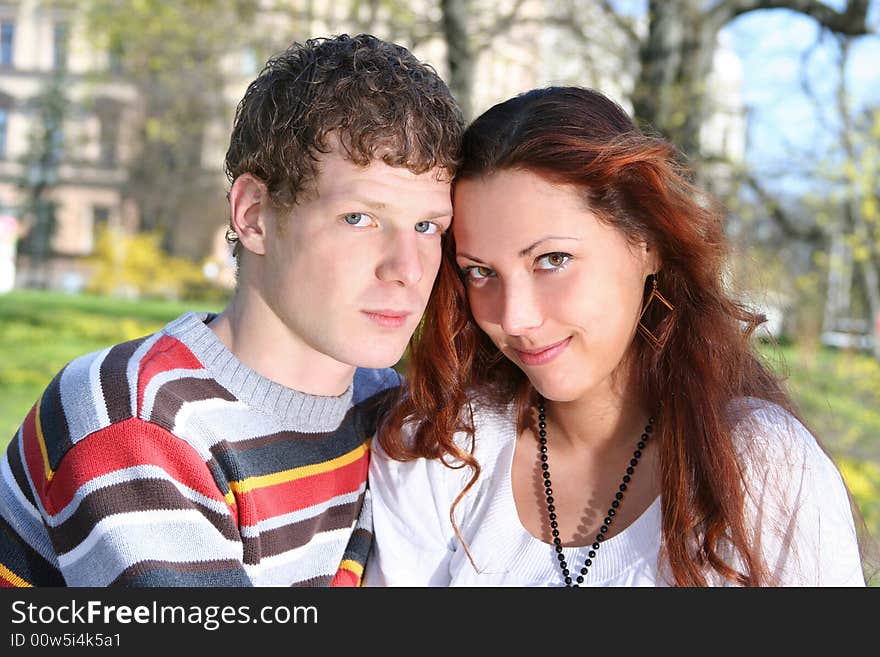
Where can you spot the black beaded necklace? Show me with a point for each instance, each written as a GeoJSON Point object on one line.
{"type": "Point", "coordinates": [551, 509]}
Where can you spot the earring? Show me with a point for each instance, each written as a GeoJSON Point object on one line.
{"type": "Point", "coordinates": [655, 341]}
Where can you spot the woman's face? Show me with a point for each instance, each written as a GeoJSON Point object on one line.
{"type": "Point", "coordinates": [557, 291]}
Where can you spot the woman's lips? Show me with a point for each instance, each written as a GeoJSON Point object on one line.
{"type": "Point", "coordinates": [544, 355]}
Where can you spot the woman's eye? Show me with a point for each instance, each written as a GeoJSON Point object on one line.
{"type": "Point", "coordinates": [360, 219]}
{"type": "Point", "coordinates": [553, 261]}
{"type": "Point", "coordinates": [476, 273]}
{"type": "Point", "coordinates": [427, 227]}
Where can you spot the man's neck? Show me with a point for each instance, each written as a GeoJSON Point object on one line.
{"type": "Point", "coordinates": [260, 340]}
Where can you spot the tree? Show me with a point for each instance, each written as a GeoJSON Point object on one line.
{"type": "Point", "coordinates": [41, 161]}
{"type": "Point", "coordinates": [173, 54]}
{"type": "Point", "coordinates": [855, 229]}
{"type": "Point", "coordinates": [676, 56]}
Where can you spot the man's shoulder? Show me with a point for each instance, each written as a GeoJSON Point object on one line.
{"type": "Point", "coordinates": [103, 378]}
{"type": "Point", "coordinates": [104, 387]}
{"type": "Point", "coordinates": [369, 382]}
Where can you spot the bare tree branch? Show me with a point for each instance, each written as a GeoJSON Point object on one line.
{"type": "Point", "coordinates": [807, 87]}
{"type": "Point", "coordinates": [851, 21]}
{"type": "Point", "coordinates": [625, 24]}
{"type": "Point", "coordinates": [789, 227]}
{"type": "Point", "coordinates": [503, 24]}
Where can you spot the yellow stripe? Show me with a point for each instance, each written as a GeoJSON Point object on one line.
{"type": "Point", "coordinates": [10, 576]}
{"type": "Point", "coordinates": [293, 474]}
{"type": "Point", "coordinates": [42, 442]}
{"type": "Point", "coordinates": [352, 566]}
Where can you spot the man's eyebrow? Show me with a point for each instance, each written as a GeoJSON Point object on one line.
{"type": "Point", "coordinates": [375, 205]}
{"type": "Point", "coordinates": [526, 251]}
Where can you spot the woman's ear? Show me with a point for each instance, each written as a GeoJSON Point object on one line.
{"type": "Point", "coordinates": [248, 202]}
{"type": "Point", "coordinates": [650, 258]}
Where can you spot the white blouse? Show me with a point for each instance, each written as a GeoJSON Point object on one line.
{"type": "Point", "coordinates": [795, 498]}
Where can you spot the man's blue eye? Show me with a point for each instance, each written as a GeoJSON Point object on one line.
{"type": "Point", "coordinates": [357, 219]}
{"type": "Point", "coordinates": [427, 227]}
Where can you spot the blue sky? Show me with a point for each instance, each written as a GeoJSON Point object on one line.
{"type": "Point", "coordinates": [785, 126]}
{"type": "Point", "coordinates": [786, 133]}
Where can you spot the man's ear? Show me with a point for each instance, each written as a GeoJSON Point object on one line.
{"type": "Point", "coordinates": [248, 203]}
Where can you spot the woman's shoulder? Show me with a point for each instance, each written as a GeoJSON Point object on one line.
{"type": "Point", "coordinates": [796, 498]}
{"type": "Point", "coordinates": [761, 423]}
{"type": "Point", "coordinates": [494, 427]}
{"type": "Point", "coordinates": [770, 441]}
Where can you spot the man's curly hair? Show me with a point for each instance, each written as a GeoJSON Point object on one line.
{"type": "Point", "coordinates": [375, 96]}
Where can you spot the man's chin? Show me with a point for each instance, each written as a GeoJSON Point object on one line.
{"type": "Point", "coordinates": [377, 359]}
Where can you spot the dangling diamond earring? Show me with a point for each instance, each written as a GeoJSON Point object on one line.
{"type": "Point", "coordinates": [655, 295]}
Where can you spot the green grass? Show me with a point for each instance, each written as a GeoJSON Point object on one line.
{"type": "Point", "coordinates": [838, 392]}
{"type": "Point", "coordinates": [41, 332]}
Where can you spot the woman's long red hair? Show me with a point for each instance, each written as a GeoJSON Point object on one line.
{"type": "Point", "coordinates": [631, 181]}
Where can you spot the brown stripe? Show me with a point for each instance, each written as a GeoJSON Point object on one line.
{"type": "Point", "coordinates": [132, 495]}
{"type": "Point", "coordinates": [53, 422]}
{"type": "Point", "coordinates": [114, 380]}
{"type": "Point", "coordinates": [18, 470]}
{"type": "Point", "coordinates": [358, 548]}
{"type": "Point", "coordinates": [24, 561]}
{"type": "Point", "coordinates": [321, 581]}
{"type": "Point", "coordinates": [151, 573]}
{"type": "Point", "coordinates": [172, 395]}
{"type": "Point", "coordinates": [290, 537]}
{"type": "Point", "coordinates": [286, 450]}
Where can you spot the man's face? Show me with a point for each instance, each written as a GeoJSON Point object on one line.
{"type": "Point", "coordinates": [348, 271]}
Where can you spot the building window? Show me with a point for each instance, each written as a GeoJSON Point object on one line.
{"type": "Point", "coordinates": [108, 112]}
{"type": "Point", "coordinates": [4, 129]}
{"type": "Point", "coordinates": [56, 142]}
{"type": "Point", "coordinates": [7, 43]}
{"type": "Point", "coordinates": [109, 140]}
{"type": "Point", "coordinates": [100, 221]}
{"type": "Point", "coordinates": [60, 42]}
{"type": "Point", "coordinates": [100, 215]}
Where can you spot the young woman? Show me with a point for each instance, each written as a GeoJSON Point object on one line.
{"type": "Point", "coordinates": [585, 406]}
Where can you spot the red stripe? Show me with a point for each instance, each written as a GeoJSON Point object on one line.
{"type": "Point", "coordinates": [166, 354]}
{"type": "Point", "coordinates": [345, 578]}
{"type": "Point", "coordinates": [122, 445]}
{"type": "Point", "coordinates": [278, 499]}
{"type": "Point", "coordinates": [33, 455]}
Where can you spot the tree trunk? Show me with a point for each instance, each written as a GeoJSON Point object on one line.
{"type": "Point", "coordinates": [675, 61]}
{"type": "Point", "coordinates": [459, 53]}
{"type": "Point", "coordinates": [871, 278]}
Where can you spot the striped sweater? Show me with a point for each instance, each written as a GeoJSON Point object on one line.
{"type": "Point", "coordinates": [165, 461]}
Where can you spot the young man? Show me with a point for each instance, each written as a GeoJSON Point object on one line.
{"type": "Point", "coordinates": [232, 450]}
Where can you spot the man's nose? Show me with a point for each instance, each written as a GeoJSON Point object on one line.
{"type": "Point", "coordinates": [401, 262]}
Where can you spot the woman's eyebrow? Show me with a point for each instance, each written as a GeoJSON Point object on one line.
{"type": "Point", "coordinates": [469, 257]}
{"type": "Point", "coordinates": [526, 251]}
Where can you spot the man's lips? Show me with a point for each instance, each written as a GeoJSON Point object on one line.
{"type": "Point", "coordinates": [542, 355]}
{"type": "Point", "coordinates": [388, 318]}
